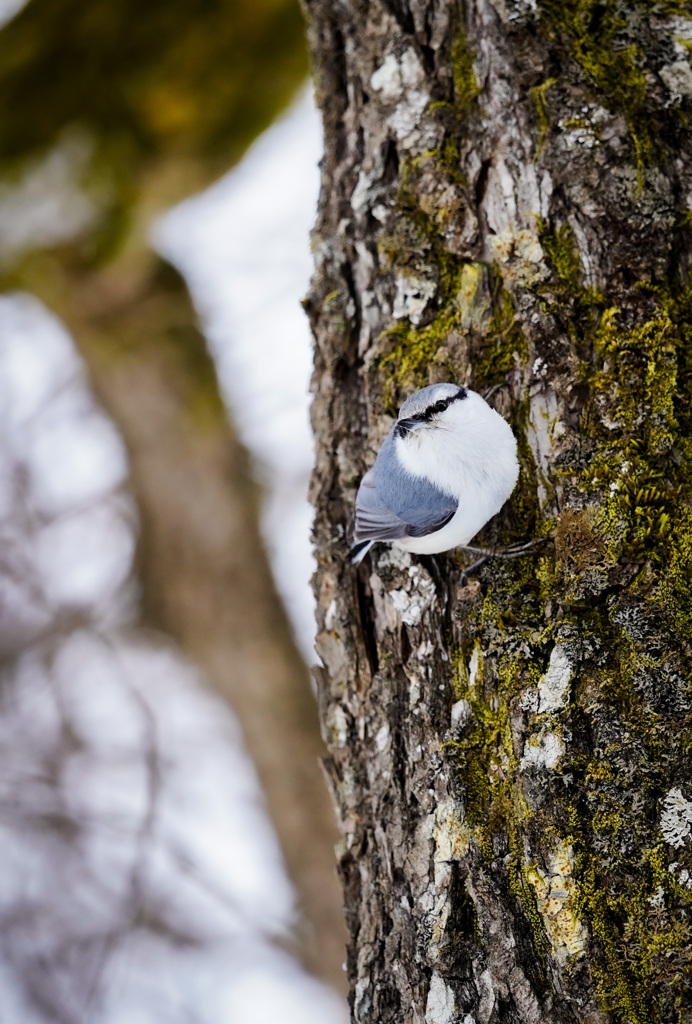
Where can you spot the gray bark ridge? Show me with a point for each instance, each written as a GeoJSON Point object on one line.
{"type": "Point", "coordinates": [504, 201]}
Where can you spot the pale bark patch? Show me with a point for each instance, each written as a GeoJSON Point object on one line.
{"type": "Point", "coordinates": [555, 895]}
{"type": "Point", "coordinates": [554, 685]}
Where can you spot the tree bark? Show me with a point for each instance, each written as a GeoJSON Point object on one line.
{"type": "Point", "coordinates": [505, 203]}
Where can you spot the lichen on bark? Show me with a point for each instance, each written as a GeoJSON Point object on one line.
{"type": "Point", "coordinates": [533, 239]}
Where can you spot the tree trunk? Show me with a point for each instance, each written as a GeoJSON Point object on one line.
{"type": "Point", "coordinates": [505, 204]}
{"type": "Point", "coordinates": [203, 571]}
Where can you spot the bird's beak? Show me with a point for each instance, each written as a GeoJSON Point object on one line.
{"type": "Point", "coordinates": [406, 426]}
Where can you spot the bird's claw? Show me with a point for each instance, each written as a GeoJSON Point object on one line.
{"type": "Point", "coordinates": [513, 551]}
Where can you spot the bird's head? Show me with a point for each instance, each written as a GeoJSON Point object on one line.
{"type": "Point", "coordinates": [437, 406]}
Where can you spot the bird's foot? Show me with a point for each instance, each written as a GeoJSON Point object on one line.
{"type": "Point", "coordinates": [513, 551]}
{"type": "Point", "coordinates": [471, 569]}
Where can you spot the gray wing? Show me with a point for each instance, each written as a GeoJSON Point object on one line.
{"type": "Point", "coordinates": [392, 503]}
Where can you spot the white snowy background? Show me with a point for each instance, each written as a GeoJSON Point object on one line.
{"type": "Point", "coordinates": [243, 247]}
{"type": "Point", "coordinates": [98, 727]}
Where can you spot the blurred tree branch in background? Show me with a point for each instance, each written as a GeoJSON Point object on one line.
{"type": "Point", "coordinates": [126, 109]}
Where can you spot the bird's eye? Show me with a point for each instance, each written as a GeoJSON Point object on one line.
{"type": "Point", "coordinates": [436, 407]}
{"type": "Point", "coordinates": [431, 411]}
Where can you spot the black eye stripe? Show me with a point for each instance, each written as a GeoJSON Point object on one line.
{"type": "Point", "coordinates": [438, 407]}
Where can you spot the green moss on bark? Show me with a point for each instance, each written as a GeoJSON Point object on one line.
{"type": "Point", "coordinates": [466, 87]}
{"type": "Point", "coordinates": [594, 34]}
{"type": "Point", "coordinates": [616, 585]}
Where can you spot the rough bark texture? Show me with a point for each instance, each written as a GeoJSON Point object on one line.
{"type": "Point", "coordinates": [505, 202]}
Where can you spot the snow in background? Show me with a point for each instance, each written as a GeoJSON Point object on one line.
{"type": "Point", "coordinates": [8, 9]}
{"type": "Point", "coordinates": [112, 733]}
{"type": "Point", "coordinates": [243, 247]}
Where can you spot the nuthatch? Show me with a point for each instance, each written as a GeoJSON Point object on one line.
{"type": "Point", "coordinates": [446, 467]}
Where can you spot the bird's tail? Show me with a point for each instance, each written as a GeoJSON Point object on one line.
{"type": "Point", "coordinates": [359, 551]}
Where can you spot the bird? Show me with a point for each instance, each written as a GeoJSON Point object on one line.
{"type": "Point", "coordinates": [446, 467]}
